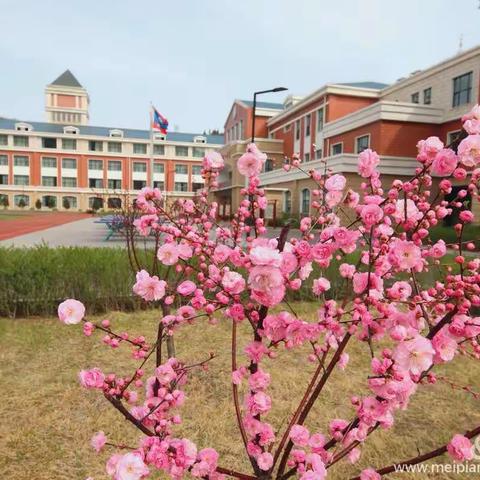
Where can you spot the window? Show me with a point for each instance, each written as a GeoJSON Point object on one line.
{"type": "Point", "coordinates": [305, 202]}
{"type": "Point", "coordinates": [21, 180]}
{"type": "Point", "coordinates": [139, 184]}
{"type": "Point", "coordinates": [114, 202]}
{"type": "Point", "coordinates": [318, 153]}
{"type": "Point", "coordinates": [452, 136]}
{"type": "Point", "coordinates": [269, 165]}
{"type": "Point", "coordinates": [20, 141]}
{"type": "Point", "coordinates": [69, 202]}
{"type": "Point", "coordinates": [69, 143]}
{"type": "Point", "coordinates": [20, 161]}
{"type": "Point", "coordinates": [159, 185]}
{"type": "Point", "coordinates": [114, 166]}
{"type": "Point", "coordinates": [23, 127]}
{"type": "Point", "coordinates": [95, 164]}
{"type": "Point", "coordinates": [159, 136]}
{"type": "Point", "coordinates": [139, 167]}
{"type": "Point", "coordinates": [196, 170]}
{"type": "Point", "coordinates": [3, 139]}
{"type": "Point", "coordinates": [181, 186]}
{"type": "Point", "coordinates": [70, 130]}
{"type": "Point", "coordinates": [69, 163]}
{"type": "Point", "coordinates": [198, 152]}
{"type": "Point", "coordinates": [199, 139]}
{"type": "Point", "coordinates": [3, 181]}
{"type": "Point", "coordinates": [95, 203]}
{"type": "Point", "coordinates": [297, 130]}
{"type": "Point", "coordinates": [140, 148]}
{"type": "Point", "coordinates": [197, 186]}
{"type": "Point", "coordinates": [95, 183]}
{"type": "Point", "coordinates": [415, 97]}
{"type": "Point", "coordinates": [306, 157]}
{"type": "Point", "coordinates": [181, 169]}
{"type": "Point", "coordinates": [320, 120]}
{"type": "Point", "coordinates": [286, 128]}
{"type": "Point", "coordinates": [308, 119]}
{"type": "Point", "coordinates": [48, 142]}
{"type": "Point", "coordinates": [49, 181]}
{"type": "Point", "coordinates": [159, 149]}
{"type": "Point", "coordinates": [114, 184]}
{"type": "Point", "coordinates": [49, 162]}
{"type": "Point", "coordinates": [362, 143]}
{"type": "Point", "coordinates": [181, 151]}
{"type": "Point", "coordinates": [116, 133]}
{"type": "Point", "coordinates": [287, 201]}
{"type": "Point", "coordinates": [3, 160]}
{"type": "Point", "coordinates": [337, 149]}
{"type": "Point", "coordinates": [49, 201]}
{"type": "Point", "coordinates": [69, 182]}
{"type": "Point", "coordinates": [95, 146]}
{"type": "Point", "coordinates": [462, 89]}
{"type": "Point", "coordinates": [158, 168]}
{"type": "Point", "coordinates": [427, 96]}
{"type": "Point", "coordinates": [115, 147]}
{"type": "Point", "coordinates": [21, 200]}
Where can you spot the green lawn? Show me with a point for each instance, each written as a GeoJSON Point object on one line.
{"type": "Point", "coordinates": [47, 419]}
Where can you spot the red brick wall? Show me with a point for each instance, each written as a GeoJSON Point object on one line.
{"type": "Point", "coordinates": [341, 105]}
{"type": "Point", "coordinates": [66, 100]}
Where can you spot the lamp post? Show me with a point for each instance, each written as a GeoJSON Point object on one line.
{"type": "Point", "coordinates": [272, 90]}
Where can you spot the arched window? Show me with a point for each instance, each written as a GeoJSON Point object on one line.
{"type": "Point", "coordinates": [114, 202]}
{"type": "Point", "coordinates": [21, 201]}
{"type": "Point", "coordinates": [287, 201]}
{"type": "Point", "coordinates": [95, 203]}
{"type": "Point", "coordinates": [69, 202]}
{"type": "Point", "coordinates": [305, 202]}
{"type": "Point", "coordinates": [49, 201]}
{"type": "Point", "coordinates": [4, 201]}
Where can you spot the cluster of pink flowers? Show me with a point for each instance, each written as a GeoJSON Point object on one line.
{"type": "Point", "coordinates": [235, 273]}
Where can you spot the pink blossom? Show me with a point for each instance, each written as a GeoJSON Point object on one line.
{"type": "Point", "coordinates": [258, 403]}
{"type": "Point", "coordinates": [165, 374]}
{"type": "Point", "coordinates": [71, 311]}
{"type": "Point", "coordinates": [130, 467]}
{"type": "Point", "coordinates": [368, 161]}
{"type": "Point", "coordinates": [346, 270]}
{"type": "Point", "coordinates": [93, 378]}
{"type": "Point", "coordinates": [233, 283]}
{"type": "Point", "coordinates": [369, 474]}
{"type": "Point", "coordinates": [445, 347]}
{"type": "Point", "coordinates": [98, 441]}
{"type": "Point", "coordinates": [320, 285]}
{"type": "Point", "coordinates": [265, 279]}
{"type": "Point", "coordinates": [427, 149]}
{"type": "Point", "coordinates": [265, 461]}
{"type": "Point", "coordinates": [360, 284]}
{"type": "Point", "coordinates": [460, 448]}
{"type": "Point", "coordinates": [213, 160]}
{"type": "Point", "coordinates": [187, 287]}
{"type": "Point", "coordinates": [336, 182]}
{"type": "Point", "coordinates": [371, 214]}
{"type": "Point", "coordinates": [415, 355]}
{"type": "Point", "coordinates": [168, 254]}
{"type": "Point", "coordinates": [469, 151]}
{"type": "Point", "coordinates": [405, 255]}
{"type": "Point", "coordinates": [221, 253]}
{"type": "Point", "coordinates": [402, 214]}
{"type": "Point", "coordinates": [438, 250]}
{"type": "Point", "coordinates": [264, 255]}
{"type": "Point", "coordinates": [444, 163]}
{"type": "Point", "coordinates": [249, 164]}
{"type": "Point", "coordinates": [299, 435]}
{"type": "Point", "coordinates": [259, 380]}
{"type": "Point", "coordinates": [333, 198]}
{"type": "Point", "coordinates": [149, 288]}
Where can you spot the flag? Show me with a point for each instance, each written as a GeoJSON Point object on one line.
{"type": "Point", "coordinates": [159, 122]}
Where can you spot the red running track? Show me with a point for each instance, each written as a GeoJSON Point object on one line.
{"type": "Point", "coordinates": [28, 223]}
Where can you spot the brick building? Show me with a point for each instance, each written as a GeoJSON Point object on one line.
{"type": "Point", "coordinates": [337, 121]}
{"type": "Point", "coordinates": [66, 162]}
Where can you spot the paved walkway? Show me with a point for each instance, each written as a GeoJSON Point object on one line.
{"type": "Point", "coordinates": [35, 221]}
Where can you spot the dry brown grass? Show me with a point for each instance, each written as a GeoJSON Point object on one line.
{"type": "Point", "coordinates": [47, 419]}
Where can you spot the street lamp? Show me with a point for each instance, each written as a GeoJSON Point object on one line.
{"type": "Point", "coordinates": [273, 90]}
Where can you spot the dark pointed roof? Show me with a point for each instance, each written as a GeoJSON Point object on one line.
{"type": "Point", "coordinates": [67, 79]}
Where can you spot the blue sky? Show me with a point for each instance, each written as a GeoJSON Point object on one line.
{"type": "Point", "coordinates": [191, 58]}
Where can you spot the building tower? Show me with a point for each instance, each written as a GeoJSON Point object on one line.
{"type": "Point", "coordinates": [66, 101]}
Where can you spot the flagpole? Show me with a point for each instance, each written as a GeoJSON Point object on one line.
{"type": "Point", "coordinates": [151, 145]}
